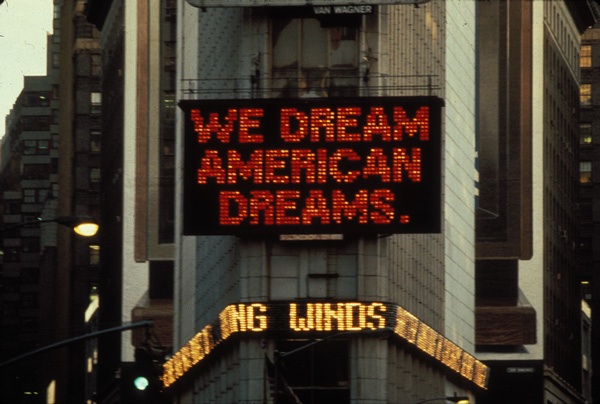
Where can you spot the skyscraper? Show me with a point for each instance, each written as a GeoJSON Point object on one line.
{"type": "Point", "coordinates": [588, 241]}
{"type": "Point", "coordinates": [529, 316]}
{"type": "Point", "coordinates": [138, 62]}
{"type": "Point", "coordinates": [51, 169]}
{"type": "Point", "coordinates": [283, 294]}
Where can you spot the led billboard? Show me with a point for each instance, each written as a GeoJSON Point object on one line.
{"type": "Point", "coordinates": [312, 166]}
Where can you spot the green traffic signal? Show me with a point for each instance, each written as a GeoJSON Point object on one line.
{"type": "Point", "coordinates": [141, 382]}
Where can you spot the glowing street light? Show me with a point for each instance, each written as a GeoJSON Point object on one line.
{"type": "Point", "coordinates": [84, 227]}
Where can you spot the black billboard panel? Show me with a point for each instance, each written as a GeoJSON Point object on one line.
{"type": "Point", "coordinates": [312, 166]}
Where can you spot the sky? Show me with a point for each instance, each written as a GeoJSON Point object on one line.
{"type": "Point", "coordinates": [24, 27]}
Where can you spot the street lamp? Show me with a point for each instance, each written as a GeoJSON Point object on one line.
{"type": "Point", "coordinates": [82, 226]}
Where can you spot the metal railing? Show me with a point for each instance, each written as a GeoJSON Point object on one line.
{"type": "Point", "coordinates": [256, 86]}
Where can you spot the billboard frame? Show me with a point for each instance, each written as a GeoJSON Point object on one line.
{"type": "Point", "coordinates": [273, 166]}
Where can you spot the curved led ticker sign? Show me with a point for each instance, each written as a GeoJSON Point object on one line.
{"type": "Point", "coordinates": [328, 166]}
{"type": "Point", "coordinates": [305, 319]}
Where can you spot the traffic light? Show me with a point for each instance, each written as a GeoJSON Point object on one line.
{"type": "Point", "coordinates": [140, 380]}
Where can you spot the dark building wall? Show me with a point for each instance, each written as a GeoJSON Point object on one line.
{"type": "Point", "coordinates": [497, 279]}
{"type": "Point", "coordinates": [111, 197]}
{"type": "Point", "coordinates": [517, 382]}
{"type": "Point", "coordinates": [562, 305]}
{"type": "Point", "coordinates": [77, 276]}
{"type": "Point", "coordinates": [153, 183]}
{"type": "Point", "coordinates": [24, 295]}
{"type": "Point", "coordinates": [589, 203]}
{"type": "Point", "coordinates": [504, 214]}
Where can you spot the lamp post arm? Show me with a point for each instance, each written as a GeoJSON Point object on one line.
{"type": "Point", "coordinates": [121, 328]}
{"type": "Point", "coordinates": [25, 224]}
{"type": "Point", "coordinates": [90, 227]}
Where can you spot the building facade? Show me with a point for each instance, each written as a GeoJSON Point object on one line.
{"type": "Point", "coordinates": [588, 242]}
{"type": "Point", "coordinates": [250, 307]}
{"type": "Point", "coordinates": [29, 186]}
{"type": "Point", "coordinates": [273, 301]}
{"type": "Point", "coordinates": [51, 169]}
{"type": "Point", "coordinates": [137, 56]}
{"type": "Point", "coordinates": [77, 260]}
{"type": "Point", "coordinates": [29, 172]}
{"type": "Point", "coordinates": [529, 315]}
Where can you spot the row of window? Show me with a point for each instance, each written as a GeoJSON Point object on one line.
{"type": "Point", "coordinates": [94, 67]}
{"type": "Point", "coordinates": [41, 147]}
{"type": "Point", "coordinates": [585, 129]}
{"type": "Point", "coordinates": [32, 245]}
{"type": "Point", "coordinates": [313, 61]}
{"type": "Point", "coordinates": [38, 99]}
{"type": "Point", "coordinates": [38, 195]}
{"type": "Point", "coordinates": [566, 37]}
{"type": "Point", "coordinates": [36, 147]}
{"type": "Point", "coordinates": [35, 123]}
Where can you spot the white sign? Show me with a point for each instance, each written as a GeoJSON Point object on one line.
{"type": "Point", "coordinates": [283, 3]}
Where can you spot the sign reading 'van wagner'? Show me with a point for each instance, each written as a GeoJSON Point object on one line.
{"type": "Point", "coordinates": [300, 166]}
{"type": "Point", "coordinates": [287, 3]}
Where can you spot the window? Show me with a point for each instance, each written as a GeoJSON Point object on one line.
{"type": "Point", "coordinates": [11, 254]}
{"type": "Point", "coordinates": [94, 251]}
{"type": "Point", "coordinates": [316, 373]}
{"type": "Point", "coordinates": [95, 179]}
{"type": "Point", "coordinates": [95, 102]}
{"type": "Point", "coordinates": [30, 275]}
{"type": "Point", "coordinates": [41, 99]}
{"type": "Point", "coordinates": [585, 95]}
{"type": "Point", "coordinates": [585, 57]}
{"type": "Point", "coordinates": [11, 285]}
{"type": "Point", "coordinates": [29, 300]}
{"type": "Point", "coordinates": [30, 244]}
{"type": "Point", "coordinates": [161, 280]}
{"type": "Point", "coordinates": [96, 66]}
{"type": "Point", "coordinates": [29, 196]}
{"type": "Point", "coordinates": [585, 172]}
{"type": "Point", "coordinates": [36, 147]}
{"type": "Point", "coordinates": [35, 123]}
{"type": "Point", "coordinates": [12, 208]}
{"type": "Point", "coordinates": [314, 61]}
{"type": "Point", "coordinates": [585, 133]}
{"type": "Point", "coordinates": [29, 147]}
{"type": "Point", "coordinates": [95, 141]}
{"type": "Point", "coordinates": [36, 171]}
{"type": "Point", "coordinates": [32, 195]}
{"type": "Point", "coordinates": [169, 106]}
